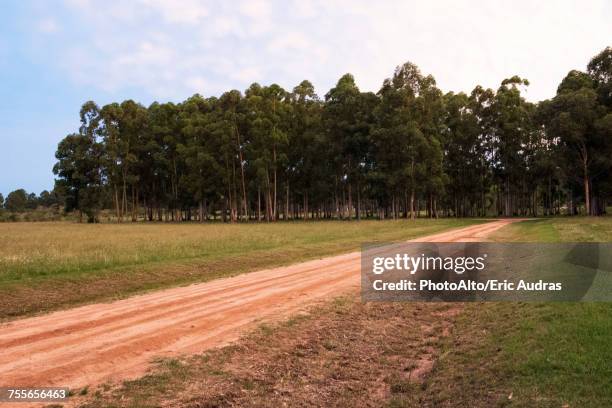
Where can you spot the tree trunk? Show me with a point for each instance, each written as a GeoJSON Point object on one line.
{"type": "Point", "coordinates": [358, 208]}
{"type": "Point", "coordinates": [587, 192]}
{"type": "Point", "coordinates": [274, 213]}
{"type": "Point", "coordinates": [117, 204]}
{"type": "Point", "coordinates": [124, 199]}
{"type": "Point", "coordinates": [336, 199]}
{"type": "Point", "coordinates": [435, 208]}
{"type": "Point", "coordinates": [244, 195]}
{"type": "Point", "coordinates": [412, 203]}
{"type": "Point", "coordinates": [350, 200]}
{"type": "Point", "coordinates": [286, 217]}
{"type": "Point", "coordinates": [258, 203]}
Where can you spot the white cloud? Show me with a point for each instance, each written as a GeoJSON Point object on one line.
{"type": "Point", "coordinates": [304, 9]}
{"type": "Point", "coordinates": [199, 84]}
{"type": "Point", "coordinates": [225, 25]}
{"type": "Point", "coordinates": [174, 48]}
{"type": "Point", "coordinates": [292, 41]}
{"type": "Point", "coordinates": [48, 26]}
{"type": "Point", "coordinates": [256, 9]}
{"type": "Point", "coordinates": [183, 11]}
{"type": "Point", "coordinates": [247, 75]}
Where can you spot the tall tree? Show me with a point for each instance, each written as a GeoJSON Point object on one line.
{"type": "Point", "coordinates": [575, 111]}
{"type": "Point", "coordinates": [348, 119]}
{"type": "Point", "coordinates": [404, 151]}
{"type": "Point", "coordinates": [268, 114]}
{"type": "Point", "coordinates": [79, 175]}
{"type": "Point", "coordinates": [600, 71]}
{"type": "Point", "coordinates": [306, 145]}
{"type": "Point", "coordinates": [512, 124]}
{"type": "Point", "coordinates": [407, 139]}
{"type": "Point", "coordinates": [202, 166]}
{"type": "Point", "coordinates": [233, 121]}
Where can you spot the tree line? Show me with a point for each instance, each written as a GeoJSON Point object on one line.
{"type": "Point", "coordinates": [20, 200]}
{"type": "Point", "coordinates": [408, 150]}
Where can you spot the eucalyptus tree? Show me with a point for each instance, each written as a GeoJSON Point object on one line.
{"type": "Point", "coordinates": [79, 161]}
{"type": "Point", "coordinates": [511, 123]}
{"type": "Point", "coordinates": [111, 115]}
{"type": "Point", "coordinates": [198, 151]}
{"type": "Point", "coordinates": [307, 148]}
{"type": "Point", "coordinates": [165, 131]}
{"type": "Point", "coordinates": [360, 147]}
{"type": "Point", "coordinates": [347, 117]}
{"type": "Point", "coordinates": [482, 107]}
{"type": "Point", "coordinates": [409, 151]}
{"type": "Point", "coordinates": [575, 110]}
{"type": "Point", "coordinates": [133, 127]}
{"type": "Point", "coordinates": [600, 71]}
{"type": "Point", "coordinates": [233, 118]}
{"type": "Point", "coordinates": [268, 113]}
{"type": "Point", "coordinates": [463, 152]}
{"type": "Point", "coordinates": [80, 165]}
{"type": "Point", "coordinates": [430, 114]}
{"type": "Point", "coordinates": [582, 118]}
{"type": "Point", "coordinates": [397, 152]}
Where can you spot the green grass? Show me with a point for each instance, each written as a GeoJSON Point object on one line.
{"type": "Point", "coordinates": [526, 355]}
{"type": "Point", "coordinates": [45, 266]}
{"type": "Point", "coordinates": [569, 229]}
{"type": "Point", "coordinates": [531, 354]}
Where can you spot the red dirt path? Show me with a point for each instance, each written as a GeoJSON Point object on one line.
{"type": "Point", "coordinates": [113, 341]}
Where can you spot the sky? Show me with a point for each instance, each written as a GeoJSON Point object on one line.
{"type": "Point", "coordinates": [57, 54]}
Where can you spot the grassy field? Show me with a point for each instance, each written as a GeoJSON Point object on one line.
{"type": "Point", "coordinates": [353, 354]}
{"type": "Point", "coordinates": [45, 266]}
{"type": "Point", "coordinates": [531, 354]}
{"type": "Point", "coordinates": [570, 229]}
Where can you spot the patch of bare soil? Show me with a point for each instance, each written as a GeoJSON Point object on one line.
{"type": "Point", "coordinates": [343, 354]}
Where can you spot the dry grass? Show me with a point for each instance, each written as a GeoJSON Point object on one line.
{"type": "Point", "coordinates": [342, 354]}
{"type": "Point", "coordinates": [44, 266]}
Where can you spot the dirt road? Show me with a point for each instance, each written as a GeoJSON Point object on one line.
{"type": "Point", "coordinates": [111, 341]}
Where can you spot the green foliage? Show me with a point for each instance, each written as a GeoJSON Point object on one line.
{"type": "Point", "coordinates": [80, 178]}
{"type": "Point", "coordinates": [348, 121]}
{"type": "Point", "coordinates": [600, 69]}
{"type": "Point", "coordinates": [408, 145]}
{"type": "Point", "coordinates": [579, 119]}
{"type": "Point", "coordinates": [406, 151]}
{"type": "Point", "coordinates": [17, 201]}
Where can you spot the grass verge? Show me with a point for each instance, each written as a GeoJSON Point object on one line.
{"type": "Point", "coordinates": [530, 354]}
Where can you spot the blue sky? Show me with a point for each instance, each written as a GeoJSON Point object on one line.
{"type": "Point", "coordinates": [57, 54]}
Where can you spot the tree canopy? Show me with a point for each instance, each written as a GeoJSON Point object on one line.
{"type": "Point", "coordinates": [408, 150]}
